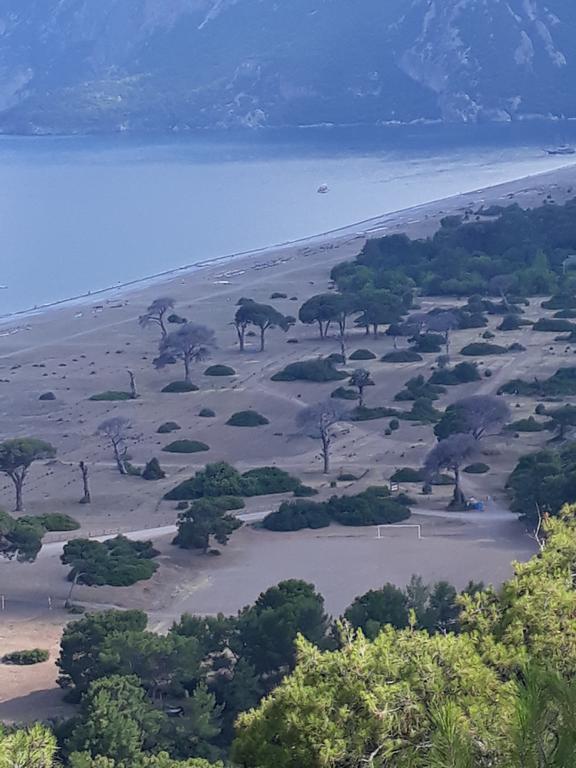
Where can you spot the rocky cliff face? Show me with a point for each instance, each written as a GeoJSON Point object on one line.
{"type": "Point", "coordinates": [109, 65]}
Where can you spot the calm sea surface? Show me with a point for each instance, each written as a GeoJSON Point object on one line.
{"type": "Point", "coordinates": [81, 214]}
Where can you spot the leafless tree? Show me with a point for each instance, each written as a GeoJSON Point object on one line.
{"type": "Point", "coordinates": [190, 343]}
{"type": "Point", "coordinates": [450, 454]}
{"type": "Point", "coordinates": [360, 379]}
{"type": "Point", "coordinates": [156, 313]}
{"type": "Point", "coordinates": [482, 413]}
{"type": "Point", "coordinates": [116, 432]}
{"type": "Point", "coordinates": [133, 390]}
{"type": "Point", "coordinates": [86, 499]}
{"type": "Point", "coordinates": [317, 421]}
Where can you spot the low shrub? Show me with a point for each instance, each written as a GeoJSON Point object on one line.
{"type": "Point", "coordinates": [477, 469]}
{"type": "Point", "coordinates": [176, 319]}
{"type": "Point", "coordinates": [186, 446]}
{"type": "Point", "coordinates": [560, 301]}
{"type": "Point", "coordinates": [362, 354]}
{"type": "Point", "coordinates": [343, 393]}
{"type": "Point", "coordinates": [176, 387]}
{"type": "Point", "coordinates": [565, 314]}
{"type": "Point", "coordinates": [417, 388]}
{"type": "Point", "coordinates": [402, 356]}
{"type": "Point", "coordinates": [153, 471]}
{"type": "Point", "coordinates": [297, 515]}
{"type": "Point", "coordinates": [407, 475]}
{"type": "Point", "coordinates": [116, 562]}
{"type": "Point", "coordinates": [488, 335]}
{"type": "Point", "coordinates": [516, 347]}
{"type": "Point", "coordinates": [228, 503]}
{"type": "Point", "coordinates": [371, 507]}
{"type": "Point", "coordinates": [510, 323]}
{"type": "Point", "coordinates": [167, 427]}
{"type": "Point", "coordinates": [428, 342]}
{"type": "Point", "coordinates": [247, 419]}
{"type": "Point", "coordinates": [52, 521]}
{"type": "Point", "coordinates": [47, 396]}
{"type": "Point", "coordinates": [552, 325]}
{"type": "Point", "coordinates": [221, 479]}
{"type": "Point", "coordinates": [370, 414]}
{"type": "Point", "coordinates": [26, 658]}
{"type": "Point", "coordinates": [319, 370]}
{"type": "Point", "coordinates": [560, 384]}
{"type": "Point", "coordinates": [336, 358]}
{"type": "Point", "coordinates": [278, 295]}
{"type": "Point", "coordinates": [111, 396]}
{"type": "Point", "coordinates": [305, 491]}
{"type": "Point", "coordinates": [479, 348]}
{"type": "Point", "coordinates": [346, 477]}
{"type": "Point", "coordinates": [462, 373]}
{"type": "Point", "coordinates": [219, 370]}
{"type": "Point", "coordinates": [487, 373]}
{"type": "Point", "coordinates": [540, 409]}
{"type": "Point", "coordinates": [527, 425]}
{"type": "Point", "coordinates": [262, 481]}
{"type": "Point", "coordinates": [394, 425]}
{"type": "Point", "coordinates": [207, 413]}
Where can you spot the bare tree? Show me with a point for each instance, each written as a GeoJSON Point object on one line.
{"type": "Point", "coordinates": [133, 390]}
{"type": "Point", "coordinates": [360, 379]}
{"type": "Point", "coordinates": [156, 313]}
{"type": "Point", "coordinates": [190, 344]}
{"type": "Point", "coordinates": [450, 454]}
{"type": "Point", "coordinates": [115, 431]}
{"type": "Point", "coordinates": [317, 421]}
{"type": "Point", "coordinates": [86, 499]}
{"type": "Point", "coordinates": [482, 413]}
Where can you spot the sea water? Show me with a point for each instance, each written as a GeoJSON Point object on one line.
{"type": "Point", "coordinates": [80, 214]}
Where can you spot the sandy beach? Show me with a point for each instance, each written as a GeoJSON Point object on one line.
{"type": "Point", "coordinates": [87, 346]}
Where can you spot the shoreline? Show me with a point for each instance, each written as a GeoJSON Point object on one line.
{"type": "Point", "coordinates": [370, 227]}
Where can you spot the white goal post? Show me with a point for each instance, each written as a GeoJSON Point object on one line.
{"type": "Point", "coordinates": [399, 525]}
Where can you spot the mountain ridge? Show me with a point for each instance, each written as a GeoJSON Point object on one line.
{"type": "Point", "coordinates": [177, 65]}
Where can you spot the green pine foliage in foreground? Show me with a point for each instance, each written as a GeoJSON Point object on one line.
{"type": "Point", "coordinates": [414, 678]}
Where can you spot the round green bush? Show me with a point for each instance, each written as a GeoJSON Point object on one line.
{"type": "Point", "coordinates": [219, 370]}
{"type": "Point", "coordinates": [207, 413]}
{"type": "Point", "coordinates": [52, 521]}
{"type": "Point", "coordinates": [247, 419]}
{"type": "Point", "coordinates": [278, 295]}
{"type": "Point", "coordinates": [402, 356]}
{"type": "Point", "coordinates": [186, 446]}
{"type": "Point", "coordinates": [362, 354]}
{"type": "Point", "coordinates": [344, 393]}
{"type": "Point", "coordinates": [407, 475]}
{"type": "Point", "coordinates": [394, 425]}
{"type": "Point", "coordinates": [153, 471]}
{"type": "Point", "coordinates": [336, 357]}
{"type": "Point", "coordinates": [477, 348]}
{"type": "Point", "coordinates": [477, 469]}
{"type": "Point", "coordinates": [346, 477]}
{"type": "Point", "coordinates": [167, 427]}
{"type": "Point", "coordinates": [111, 396]}
{"type": "Point", "coordinates": [47, 396]}
{"type": "Point", "coordinates": [305, 491]}
{"type": "Point", "coordinates": [319, 370]}
{"type": "Point", "coordinates": [25, 658]}
{"type": "Point", "coordinates": [180, 386]}
{"type": "Point", "coordinates": [540, 409]}
{"type": "Point", "coordinates": [488, 335]}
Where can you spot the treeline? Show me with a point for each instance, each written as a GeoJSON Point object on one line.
{"type": "Point", "coordinates": [140, 694]}
{"type": "Point", "coordinates": [519, 252]}
{"type": "Point", "coordinates": [421, 676]}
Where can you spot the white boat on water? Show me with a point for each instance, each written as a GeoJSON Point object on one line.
{"type": "Point", "coordinates": [3, 287]}
{"type": "Point", "coordinates": [323, 189]}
